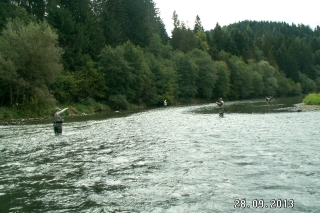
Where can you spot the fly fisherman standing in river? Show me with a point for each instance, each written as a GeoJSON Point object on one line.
{"type": "Point", "coordinates": [221, 107]}
{"type": "Point", "coordinates": [57, 122]}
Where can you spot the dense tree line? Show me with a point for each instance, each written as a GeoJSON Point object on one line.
{"type": "Point", "coordinates": [117, 52]}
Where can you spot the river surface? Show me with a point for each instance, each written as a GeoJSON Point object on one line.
{"type": "Point", "coordinates": [174, 159]}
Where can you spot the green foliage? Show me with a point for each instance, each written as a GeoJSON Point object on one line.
{"type": "Point", "coordinates": [65, 88]}
{"type": "Point", "coordinates": [202, 41]}
{"type": "Point", "coordinates": [88, 105]}
{"type": "Point", "coordinates": [10, 11]}
{"type": "Point", "coordinates": [155, 47]}
{"type": "Point", "coordinates": [29, 62]}
{"type": "Point", "coordinates": [6, 114]}
{"type": "Point", "coordinates": [270, 82]}
{"type": "Point", "coordinates": [295, 88]}
{"type": "Point", "coordinates": [241, 79]}
{"type": "Point", "coordinates": [134, 20]}
{"type": "Point", "coordinates": [72, 36]}
{"type": "Point", "coordinates": [139, 72]}
{"type": "Point", "coordinates": [317, 81]}
{"type": "Point", "coordinates": [197, 25]}
{"type": "Point", "coordinates": [222, 85]}
{"type": "Point", "coordinates": [257, 84]}
{"type": "Point", "coordinates": [284, 87]}
{"type": "Point", "coordinates": [90, 82]}
{"type": "Point", "coordinates": [187, 76]}
{"type": "Point", "coordinates": [183, 39]}
{"type": "Point", "coordinates": [116, 69]}
{"type": "Point", "coordinates": [312, 99]}
{"type": "Point", "coordinates": [118, 102]}
{"type": "Point", "coordinates": [142, 87]}
{"type": "Point", "coordinates": [127, 73]}
{"type": "Point", "coordinates": [163, 76]}
{"type": "Point", "coordinates": [160, 50]}
{"type": "Point", "coordinates": [207, 76]}
{"type": "Point", "coordinates": [140, 65]}
{"type": "Point", "coordinates": [307, 84]}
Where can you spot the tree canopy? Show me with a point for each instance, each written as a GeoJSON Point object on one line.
{"type": "Point", "coordinates": [29, 62]}
{"type": "Point", "coordinates": [118, 52]}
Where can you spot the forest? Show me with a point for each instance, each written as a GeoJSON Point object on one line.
{"type": "Point", "coordinates": [116, 54]}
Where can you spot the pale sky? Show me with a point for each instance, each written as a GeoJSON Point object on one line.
{"type": "Point", "coordinates": [226, 12]}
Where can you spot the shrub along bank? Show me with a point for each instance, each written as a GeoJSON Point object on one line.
{"type": "Point", "coordinates": [312, 99]}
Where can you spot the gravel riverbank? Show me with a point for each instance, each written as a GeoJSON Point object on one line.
{"type": "Point", "coordinates": [303, 108]}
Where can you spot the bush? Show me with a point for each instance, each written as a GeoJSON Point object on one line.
{"type": "Point", "coordinates": [117, 102]}
{"type": "Point", "coordinates": [312, 99]}
{"type": "Point", "coordinates": [8, 113]}
{"type": "Point", "coordinates": [88, 105]}
{"type": "Point", "coordinates": [4, 114]}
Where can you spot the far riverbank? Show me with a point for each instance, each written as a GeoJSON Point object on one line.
{"type": "Point", "coordinates": [300, 107]}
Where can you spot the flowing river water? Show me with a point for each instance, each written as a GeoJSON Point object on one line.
{"type": "Point", "coordinates": [258, 158]}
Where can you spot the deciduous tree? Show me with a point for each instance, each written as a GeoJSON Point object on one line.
{"type": "Point", "coordinates": [29, 60]}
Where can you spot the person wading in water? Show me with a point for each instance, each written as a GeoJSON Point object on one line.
{"type": "Point", "coordinates": [165, 103]}
{"type": "Point", "coordinates": [221, 107]}
{"type": "Point", "coordinates": [268, 99]}
{"type": "Point", "coordinates": [57, 120]}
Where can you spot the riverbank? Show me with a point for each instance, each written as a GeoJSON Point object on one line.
{"type": "Point", "coordinates": [73, 114]}
{"type": "Point", "coordinates": [300, 107]}
{"type": "Point", "coordinates": [79, 111]}
{"type": "Point", "coordinates": [69, 116]}
{"type": "Point", "coordinates": [22, 121]}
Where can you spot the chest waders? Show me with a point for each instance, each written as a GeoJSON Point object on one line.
{"type": "Point", "coordinates": [221, 108]}
{"type": "Point", "coordinates": [57, 124]}
{"type": "Point", "coordinates": [57, 121]}
{"type": "Point", "coordinates": [57, 127]}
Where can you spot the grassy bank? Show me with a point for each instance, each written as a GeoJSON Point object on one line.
{"type": "Point", "coordinates": [312, 99]}
{"type": "Point", "coordinates": [22, 112]}
{"type": "Point", "coordinates": [88, 106]}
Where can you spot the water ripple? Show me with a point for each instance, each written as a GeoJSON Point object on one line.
{"type": "Point", "coordinates": [163, 160]}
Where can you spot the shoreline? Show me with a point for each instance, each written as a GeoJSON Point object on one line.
{"type": "Point", "coordinates": [301, 107]}
{"type": "Point", "coordinates": [26, 121]}
{"type": "Point", "coordinates": [23, 121]}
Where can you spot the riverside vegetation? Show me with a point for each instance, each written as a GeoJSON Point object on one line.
{"type": "Point", "coordinates": [312, 99]}
{"type": "Point", "coordinates": [109, 55]}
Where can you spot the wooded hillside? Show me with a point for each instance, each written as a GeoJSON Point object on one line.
{"type": "Point", "coordinates": [117, 52]}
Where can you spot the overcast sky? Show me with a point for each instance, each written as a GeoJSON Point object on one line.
{"type": "Point", "coordinates": [227, 12]}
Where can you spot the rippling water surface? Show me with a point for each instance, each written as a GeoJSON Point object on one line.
{"type": "Point", "coordinates": [175, 159]}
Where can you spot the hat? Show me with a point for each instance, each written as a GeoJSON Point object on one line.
{"type": "Point", "coordinates": [220, 98]}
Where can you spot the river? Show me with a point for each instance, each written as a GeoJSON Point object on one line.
{"type": "Point", "coordinates": [258, 158]}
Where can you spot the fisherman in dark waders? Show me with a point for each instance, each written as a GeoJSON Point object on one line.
{"type": "Point", "coordinates": [221, 107]}
{"type": "Point", "coordinates": [57, 122]}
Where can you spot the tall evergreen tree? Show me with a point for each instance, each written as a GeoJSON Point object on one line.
{"type": "Point", "coordinates": [197, 25]}
{"type": "Point", "coordinates": [114, 21]}
{"type": "Point", "coordinates": [216, 41]}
